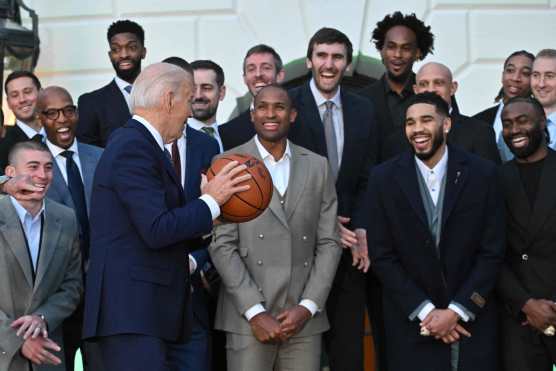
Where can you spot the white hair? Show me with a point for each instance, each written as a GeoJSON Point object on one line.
{"type": "Point", "coordinates": [152, 83]}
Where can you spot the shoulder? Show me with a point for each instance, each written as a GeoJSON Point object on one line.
{"type": "Point", "coordinates": [98, 93]}
{"type": "Point", "coordinates": [479, 166]}
{"type": "Point", "coordinates": [240, 119]}
{"type": "Point", "coordinates": [371, 90]}
{"type": "Point", "coordinates": [310, 155]}
{"type": "Point", "coordinates": [471, 125]}
{"type": "Point", "coordinates": [487, 115]}
{"type": "Point", "coordinates": [60, 211]}
{"type": "Point", "coordinates": [90, 149]}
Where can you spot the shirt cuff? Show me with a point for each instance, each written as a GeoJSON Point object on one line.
{"type": "Point", "coordinates": [212, 204]}
{"type": "Point", "coordinates": [422, 311]}
{"type": "Point", "coordinates": [253, 311]}
{"type": "Point", "coordinates": [310, 305]}
{"type": "Point", "coordinates": [192, 264]}
{"type": "Point", "coordinates": [464, 314]}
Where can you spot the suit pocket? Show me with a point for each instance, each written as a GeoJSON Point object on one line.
{"type": "Point", "coordinates": [152, 275]}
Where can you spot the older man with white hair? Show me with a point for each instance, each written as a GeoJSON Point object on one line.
{"type": "Point", "coordinates": [142, 227]}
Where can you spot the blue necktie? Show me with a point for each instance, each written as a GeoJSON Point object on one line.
{"type": "Point", "coordinates": [75, 185]}
{"type": "Point", "coordinates": [128, 89]}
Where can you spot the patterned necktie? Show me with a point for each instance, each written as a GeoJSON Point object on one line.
{"type": "Point", "coordinates": [77, 191]}
{"type": "Point", "coordinates": [209, 130]}
{"type": "Point", "coordinates": [330, 136]}
{"type": "Point", "coordinates": [176, 159]}
{"type": "Point", "coordinates": [128, 89]}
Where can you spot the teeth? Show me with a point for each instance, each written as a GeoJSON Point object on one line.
{"type": "Point", "coordinates": [63, 130]}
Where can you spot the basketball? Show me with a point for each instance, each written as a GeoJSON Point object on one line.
{"type": "Point", "coordinates": [245, 206]}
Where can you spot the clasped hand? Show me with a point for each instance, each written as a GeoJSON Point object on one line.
{"type": "Point", "coordinates": [443, 325]}
{"type": "Point", "coordinates": [268, 329]}
{"type": "Point", "coordinates": [356, 241]}
{"type": "Point", "coordinates": [37, 349]}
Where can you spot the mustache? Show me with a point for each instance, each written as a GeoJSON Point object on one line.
{"type": "Point", "coordinates": [201, 100]}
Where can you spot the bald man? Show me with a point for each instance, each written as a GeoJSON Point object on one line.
{"type": "Point", "coordinates": [467, 133]}
{"type": "Point", "coordinates": [72, 181]}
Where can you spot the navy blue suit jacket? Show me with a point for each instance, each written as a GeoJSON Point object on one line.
{"type": "Point", "coordinates": [464, 269]}
{"type": "Point", "coordinates": [100, 113]}
{"type": "Point", "coordinates": [238, 131]}
{"type": "Point", "coordinates": [142, 227]}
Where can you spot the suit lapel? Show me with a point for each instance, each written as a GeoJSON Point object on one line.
{"type": "Point", "coordinates": [545, 201]}
{"type": "Point", "coordinates": [117, 95]}
{"type": "Point", "coordinates": [299, 168]}
{"type": "Point", "coordinates": [312, 120]}
{"type": "Point", "coordinates": [350, 131]}
{"type": "Point", "coordinates": [52, 228]}
{"type": "Point", "coordinates": [456, 175]}
{"type": "Point", "coordinates": [59, 186]}
{"type": "Point", "coordinates": [10, 228]}
{"type": "Point", "coordinates": [407, 179]}
{"type": "Point", "coordinates": [88, 165]}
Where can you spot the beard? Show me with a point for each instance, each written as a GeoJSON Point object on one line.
{"type": "Point", "coordinates": [203, 114]}
{"type": "Point", "coordinates": [535, 140]}
{"type": "Point", "coordinates": [128, 75]}
{"type": "Point", "coordinates": [399, 79]}
{"type": "Point", "coordinates": [437, 141]}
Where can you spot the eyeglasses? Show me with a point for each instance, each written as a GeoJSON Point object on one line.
{"type": "Point", "coordinates": [53, 113]}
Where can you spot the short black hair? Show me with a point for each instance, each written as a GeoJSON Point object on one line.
{"type": "Point", "coordinates": [26, 145]}
{"type": "Point", "coordinates": [180, 62]}
{"type": "Point", "coordinates": [279, 87]}
{"type": "Point", "coordinates": [429, 98]}
{"type": "Point", "coordinates": [17, 74]}
{"type": "Point", "coordinates": [328, 35]}
{"type": "Point", "coordinates": [532, 101]}
{"type": "Point", "coordinates": [524, 53]}
{"type": "Point", "coordinates": [264, 49]}
{"type": "Point", "coordinates": [125, 26]}
{"type": "Point", "coordinates": [205, 64]}
{"type": "Point", "coordinates": [423, 34]}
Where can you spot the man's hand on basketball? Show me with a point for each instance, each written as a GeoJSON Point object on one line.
{"type": "Point", "coordinates": [226, 182]}
{"type": "Point", "coordinates": [266, 328]}
{"type": "Point", "coordinates": [292, 320]}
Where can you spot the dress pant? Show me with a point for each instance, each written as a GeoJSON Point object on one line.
{"type": "Point", "coordinates": [524, 348]}
{"type": "Point", "coordinates": [346, 313]}
{"type": "Point", "coordinates": [195, 355]}
{"type": "Point", "coordinates": [246, 353]}
{"type": "Point", "coordinates": [133, 352]}
{"type": "Point", "coordinates": [374, 308]}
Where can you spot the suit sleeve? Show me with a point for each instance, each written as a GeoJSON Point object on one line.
{"type": "Point", "coordinates": [490, 254]}
{"type": "Point", "coordinates": [137, 180]}
{"type": "Point", "coordinates": [225, 255]}
{"type": "Point", "coordinates": [397, 284]}
{"type": "Point", "coordinates": [511, 290]}
{"type": "Point", "coordinates": [88, 127]}
{"type": "Point", "coordinates": [9, 341]}
{"type": "Point", "coordinates": [328, 251]}
{"type": "Point", "coordinates": [61, 305]}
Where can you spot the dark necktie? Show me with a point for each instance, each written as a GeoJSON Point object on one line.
{"type": "Point", "coordinates": [209, 130]}
{"type": "Point", "coordinates": [330, 136]}
{"type": "Point", "coordinates": [176, 159]}
{"type": "Point", "coordinates": [128, 89]}
{"type": "Point", "coordinates": [77, 191]}
{"type": "Point", "coordinates": [38, 138]}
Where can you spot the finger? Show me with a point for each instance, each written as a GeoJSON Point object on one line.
{"type": "Point", "coordinates": [36, 333]}
{"type": "Point", "coordinates": [50, 344]}
{"type": "Point", "coordinates": [51, 358]}
{"type": "Point", "coordinates": [235, 171]}
{"type": "Point", "coordinates": [240, 179]}
{"type": "Point", "coordinates": [282, 316]}
{"type": "Point", "coordinates": [239, 189]}
{"type": "Point", "coordinates": [367, 265]}
{"type": "Point", "coordinates": [18, 322]}
{"type": "Point", "coordinates": [30, 330]}
{"type": "Point", "coordinates": [460, 329]}
{"type": "Point", "coordinates": [23, 328]}
{"type": "Point", "coordinates": [44, 333]}
{"type": "Point", "coordinates": [343, 219]}
{"type": "Point", "coordinates": [352, 241]}
{"type": "Point", "coordinates": [228, 167]}
{"type": "Point", "coordinates": [348, 233]}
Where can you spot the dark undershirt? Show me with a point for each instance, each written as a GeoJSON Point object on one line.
{"type": "Point", "coordinates": [396, 102]}
{"type": "Point", "coordinates": [530, 174]}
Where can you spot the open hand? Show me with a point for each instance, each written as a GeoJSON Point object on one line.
{"type": "Point", "coordinates": [38, 350]}
{"type": "Point", "coordinates": [226, 182]}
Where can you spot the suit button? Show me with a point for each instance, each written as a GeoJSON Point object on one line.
{"type": "Point", "coordinates": [261, 236]}
{"type": "Point", "coordinates": [281, 202]}
{"type": "Point", "coordinates": [259, 262]}
{"type": "Point", "coordinates": [525, 257]}
{"type": "Point", "coordinates": [305, 264]}
{"type": "Point", "coordinates": [304, 238]}
{"type": "Point", "coordinates": [3, 353]}
{"type": "Point", "coordinates": [260, 290]}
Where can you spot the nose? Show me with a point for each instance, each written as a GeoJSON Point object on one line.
{"type": "Point", "coordinates": [328, 62]}
{"type": "Point", "coordinates": [124, 53]}
{"type": "Point", "coordinates": [197, 92]}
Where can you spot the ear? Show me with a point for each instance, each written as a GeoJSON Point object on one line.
{"type": "Point", "coordinates": [447, 124]}
{"type": "Point", "coordinates": [453, 88]}
{"type": "Point", "coordinates": [293, 115]}
{"type": "Point", "coordinates": [144, 53]}
{"type": "Point", "coordinates": [308, 63]}
{"type": "Point", "coordinates": [168, 101]}
{"type": "Point", "coordinates": [222, 93]}
{"type": "Point", "coordinates": [419, 55]}
{"type": "Point", "coordinates": [10, 171]}
{"type": "Point", "coordinates": [280, 76]}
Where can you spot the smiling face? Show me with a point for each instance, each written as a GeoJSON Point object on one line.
{"type": "Point", "coordinates": [207, 95]}
{"type": "Point", "coordinates": [259, 70]}
{"type": "Point", "coordinates": [126, 53]}
{"type": "Point", "coordinates": [58, 116]}
{"type": "Point", "coordinates": [435, 78]}
{"type": "Point", "coordinates": [399, 52]}
{"type": "Point", "coordinates": [426, 131]}
{"type": "Point", "coordinates": [328, 64]}
{"type": "Point", "coordinates": [37, 164]}
{"type": "Point", "coordinates": [272, 114]}
{"type": "Point", "coordinates": [522, 129]}
{"type": "Point", "coordinates": [543, 82]}
{"type": "Point", "coordinates": [22, 98]}
{"type": "Point", "coordinates": [516, 77]}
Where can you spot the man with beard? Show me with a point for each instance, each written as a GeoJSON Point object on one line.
{"type": "Point", "coordinates": [340, 126]}
{"type": "Point", "coordinates": [262, 66]}
{"type": "Point", "coordinates": [209, 91]}
{"type": "Point", "coordinates": [22, 89]}
{"type": "Point", "coordinates": [466, 133]}
{"type": "Point", "coordinates": [543, 85]}
{"type": "Point", "coordinates": [104, 110]}
{"type": "Point", "coordinates": [401, 40]}
{"type": "Point", "coordinates": [527, 284]}
{"type": "Point", "coordinates": [436, 237]}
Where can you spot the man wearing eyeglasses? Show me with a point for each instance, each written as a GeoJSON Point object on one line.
{"type": "Point", "coordinates": [74, 167]}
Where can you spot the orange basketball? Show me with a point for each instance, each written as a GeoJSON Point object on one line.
{"type": "Point", "coordinates": [247, 205]}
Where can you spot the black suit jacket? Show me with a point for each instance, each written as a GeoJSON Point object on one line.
{"type": "Point", "coordinates": [488, 115]}
{"type": "Point", "coordinates": [463, 268]}
{"type": "Point", "coordinates": [100, 113]}
{"type": "Point", "coordinates": [474, 136]}
{"type": "Point", "coordinates": [237, 131]}
{"type": "Point", "coordinates": [13, 136]}
{"type": "Point", "coordinates": [360, 145]}
{"type": "Point", "coordinates": [531, 231]}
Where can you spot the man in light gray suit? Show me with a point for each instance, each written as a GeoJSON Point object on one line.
{"type": "Point", "coordinates": [73, 170]}
{"type": "Point", "coordinates": [277, 269]}
{"type": "Point", "coordinates": [40, 267]}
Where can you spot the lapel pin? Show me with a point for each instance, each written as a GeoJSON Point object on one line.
{"type": "Point", "coordinates": [457, 177]}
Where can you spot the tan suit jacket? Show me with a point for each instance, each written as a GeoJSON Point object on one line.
{"type": "Point", "coordinates": [289, 253]}
{"type": "Point", "coordinates": [57, 287]}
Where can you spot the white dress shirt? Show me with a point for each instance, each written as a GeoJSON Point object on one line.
{"type": "Point", "coordinates": [122, 85]}
{"type": "Point", "coordinates": [551, 127]}
{"type": "Point", "coordinates": [29, 131]}
{"type": "Point", "coordinates": [32, 228]}
{"type": "Point", "coordinates": [280, 173]}
{"type": "Point", "coordinates": [199, 125]}
{"type": "Point", "coordinates": [182, 144]}
{"type": "Point", "coordinates": [208, 199]}
{"type": "Point", "coordinates": [61, 160]}
{"type": "Point", "coordinates": [337, 115]}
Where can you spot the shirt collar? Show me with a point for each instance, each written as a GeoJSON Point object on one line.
{"type": "Point", "coordinates": [551, 119]}
{"type": "Point", "coordinates": [198, 125]}
{"type": "Point", "coordinates": [264, 153]}
{"type": "Point", "coordinates": [320, 100]}
{"type": "Point", "coordinates": [122, 84]}
{"type": "Point", "coordinates": [407, 88]}
{"type": "Point", "coordinates": [29, 131]}
{"type": "Point", "coordinates": [55, 150]}
{"type": "Point", "coordinates": [22, 212]}
{"type": "Point", "coordinates": [439, 169]}
{"type": "Point", "coordinates": [156, 135]}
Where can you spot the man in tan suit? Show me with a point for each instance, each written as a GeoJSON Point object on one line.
{"type": "Point", "coordinates": [40, 267]}
{"type": "Point", "coordinates": [277, 270]}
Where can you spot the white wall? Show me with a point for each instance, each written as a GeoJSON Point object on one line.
{"type": "Point", "coordinates": [473, 37]}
